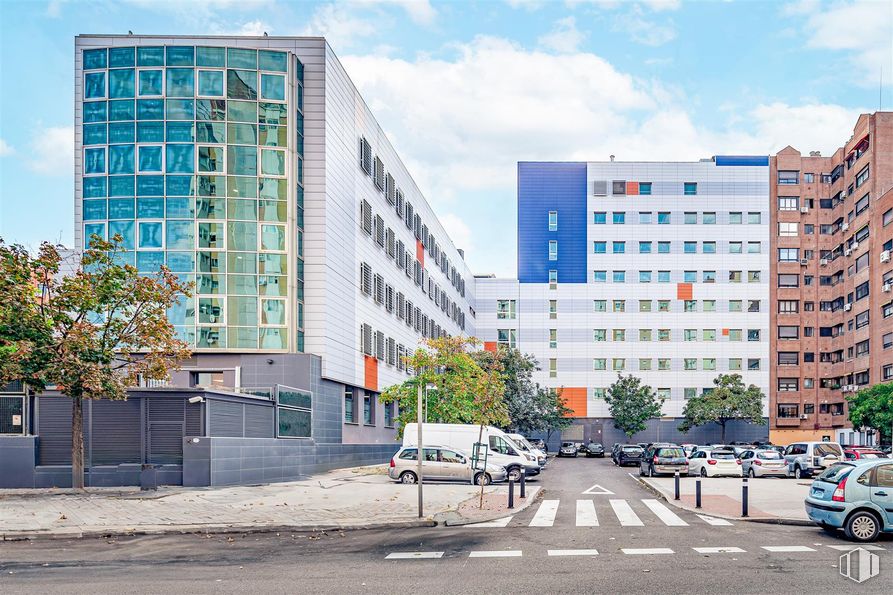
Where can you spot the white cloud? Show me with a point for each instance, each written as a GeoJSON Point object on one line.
{"type": "Point", "coordinates": [420, 11]}
{"type": "Point", "coordinates": [340, 25]}
{"type": "Point", "coordinates": [530, 5]}
{"type": "Point", "coordinates": [564, 36]}
{"type": "Point", "coordinates": [780, 124]}
{"type": "Point", "coordinates": [51, 151]}
{"type": "Point", "coordinates": [645, 30]}
{"type": "Point", "coordinates": [661, 5]}
{"type": "Point", "coordinates": [5, 148]}
{"type": "Point", "coordinates": [864, 29]}
{"type": "Point", "coordinates": [54, 8]}
{"type": "Point", "coordinates": [255, 27]}
{"type": "Point", "coordinates": [458, 231]}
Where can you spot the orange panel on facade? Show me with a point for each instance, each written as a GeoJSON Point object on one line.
{"type": "Point", "coordinates": [420, 252]}
{"type": "Point", "coordinates": [683, 291]}
{"type": "Point", "coordinates": [371, 369]}
{"type": "Point", "coordinates": [725, 332]}
{"type": "Point", "coordinates": [489, 345]}
{"type": "Point", "coordinates": [575, 400]}
{"type": "Point", "coordinates": [632, 188]}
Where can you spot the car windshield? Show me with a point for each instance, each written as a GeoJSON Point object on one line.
{"type": "Point", "coordinates": [769, 455]}
{"type": "Point", "coordinates": [835, 473]}
{"type": "Point", "coordinates": [632, 449]}
{"type": "Point", "coordinates": [566, 444]}
{"type": "Point", "coordinates": [722, 454]}
{"type": "Point", "coordinates": [670, 452]}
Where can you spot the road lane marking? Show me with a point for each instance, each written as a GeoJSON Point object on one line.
{"type": "Point", "coordinates": [719, 550]}
{"type": "Point", "coordinates": [847, 548]}
{"type": "Point", "coordinates": [545, 514]}
{"type": "Point", "coordinates": [413, 555]}
{"type": "Point", "coordinates": [714, 521]}
{"type": "Point", "coordinates": [787, 548]}
{"type": "Point", "coordinates": [586, 516]}
{"type": "Point", "coordinates": [625, 514]}
{"type": "Point", "coordinates": [495, 554]}
{"type": "Point", "coordinates": [667, 516]}
{"type": "Point", "coordinates": [503, 522]}
{"type": "Point", "coordinates": [573, 552]}
{"type": "Point", "coordinates": [645, 551]}
{"type": "Point", "coordinates": [598, 490]}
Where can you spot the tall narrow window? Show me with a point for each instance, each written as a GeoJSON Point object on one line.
{"type": "Point", "coordinates": [553, 220]}
{"type": "Point", "coordinates": [553, 250]}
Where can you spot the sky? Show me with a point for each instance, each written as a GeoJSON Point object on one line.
{"type": "Point", "coordinates": [466, 89]}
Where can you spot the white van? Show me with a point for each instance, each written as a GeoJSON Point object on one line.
{"type": "Point", "coordinates": [527, 447]}
{"type": "Point", "coordinates": [503, 451]}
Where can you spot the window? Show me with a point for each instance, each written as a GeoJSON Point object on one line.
{"type": "Point", "coordinates": [644, 305]}
{"type": "Point", "coordinates": [599, 335]}
{"type": "Point", "coordinates": [785, 230]}
{"type": "Point", "coordinates": [888, 217]}
{"type": "Point", "coordinates": [690, 247]}
{"type": "Point", "coordinates": [600, 276]}
{"type": "Point", "coordinates": [663, 334]}
{"type": "Point", "coordinates": [689, 363]}
{"type": "Point", "coordinates": [506, 337]}
{"type": "Point", "coordinates": [553, 220]}
{"type": "Point", "coordinates": [553, 309]}
{"type": "Point", "coordinates": [663, 363]}
{"type": "Point", "coordinates": [690, 334]}
{"type": "Point", "coordinates": [620, 305]}
{"type": "Point", "coordinates": [709, 363]}
{"type": "Point", "coordinates": [708, 218]}
{"type": "Point", "coordinates": [663, 276]}
{"type": "Point", "coordinates": [505, 309]}
{"type": "Point", "coordinates": [690, 276]}
{"type": "Point", "coordinates": [753, 334]}
{"type": "Point", "coordinates": [599, 218]}
{"type": "Point", "coordinates": [663, 305]}
{"type": "Point", "coordinates": [618, 218]}
{"type": "Point", "coordinates": [644, 276]}
{"type": "Point", "coordinates": [663, 218]}
{"type": "Point", "coordinates": [599, 247]}
{"type": "Point", "coordinates": [788, 306]}
{"type": "Point", "coordinates": [618, 187]}
{"type": "Point", "coordinates": [553, 250]}
{"type": "Point", "coordinates": [690, 393]}
{"type": "Point", "coordinates": [753, 247]}
{"type": "Point", "coordinates": [788, 332]}
{"type": "Point", "coordinates": [645, 217]}
{"type": "Point", "coordinates": [645, 334]}
{"type": "Point", "coordinates": [808, 178]}
{"type": "Point", "coordinates": [753, 305]}
{"type": "Point", "coordinates": [553, 277]}
{"type": "Point", "coordinates": [369, 409]}
{"type": "Point", "coordinates": [599, 305]}
{"type": "Point", "coordinates": [349, 405]}
{"type": "Point", "coordinates": [861, 205]}
{"type": "Point", "coordinates": [619, 334]}
{"type": "Point", "coordinates": [788, 358]}
{"type": "Point", "coordinates": [618, 364]}
{"type": "Point", "coordinates": [735, 364]}
{"type": "Point", "coordinates": [599, 363]}
{"type": "Point", "coordinates": [619, 277]}
{"type": "Point", "coordinates": [753, 276]}
{"type": "Point", "coordinates": [689, 188]}
{"type": "Point", "coordinates": [788, 203]}
{"type": "Point", "coordinates": [735, 218]}
{"type": "Point", "coordinates": [708, 276]}
{"type": "Point", "coordinates": [645, 188]}
{"type": "Point", "coordinates": [663, 247]}
{"type": "Point", "coordinates": [862, 176]}
{"type": "Point", "coordinates": [709, 305]}
{"type": "Point", "coordinates": [690, 306]}
{"type": "Point", "coordinates": [708, 247]}
{"type": "Point", "coordinates": [735, 306]}
{"type": "Point", "coordinates": [788, 280]}
{"type": "Point", "coordinates": [690, 218]}
{"type": "Point", "coordinates": [788, 177]}
{"type": "Point", "coordinates": [644, 247]}
{"type": "Point", "coordinates": [788, 410]}
{"type": "Point", "coordinates": [734, 334]}
{"type": "Point", "coordinates": [553, 338]}
{"type": "Point", "coordinates": [709, 334]}
{"type": "Point", "coordinates": [788, 384]}
{"type": "Point", "coordinates": [644, 364]}
{"type": "Point", "coordinates": [754, 219]}
{"type": "Point", "coordinates": [618, 247]}
{"type": "Point", "coordinates": [788, 254]}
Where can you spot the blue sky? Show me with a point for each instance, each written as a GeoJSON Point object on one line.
{"type": "Point", "coordinates": [466, 89]}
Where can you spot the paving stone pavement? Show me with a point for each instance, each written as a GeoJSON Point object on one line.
{"type": "Point", "coordinates": [357, 497]}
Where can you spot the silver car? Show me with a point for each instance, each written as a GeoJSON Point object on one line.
{"type": "Point", "coordinates": [763, 463]}
{"type": "Point", "coordinates": [440, 463]}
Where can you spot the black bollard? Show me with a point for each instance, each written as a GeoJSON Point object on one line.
{"type": "Point", "coordinates": [523, 477]}
{"type": "Point", "coordinates": [676, 496]}
{"type": "Point", "coordinates": [744, 497]}
{"type": "Point", "coordinates": [511, 493]}
{"type": "Point", "coordinates": [698, 493]}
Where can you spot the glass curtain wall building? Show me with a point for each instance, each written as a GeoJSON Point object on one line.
{"type": "Point", "coordinates": [192, 155]}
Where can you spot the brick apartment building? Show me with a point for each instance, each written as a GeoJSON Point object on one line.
{"type": "Point", "coordinates": [831, 280]}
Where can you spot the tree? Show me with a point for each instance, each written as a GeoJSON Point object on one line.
{"type": "Point", "coordinates": [525, 402]}
{"type": "Point", "coordinates": [632, 404]}
{"type": "Point", "coordinates": [873, 407]}
{"type": "Point", "coordinates": [557, 414]}
{"type": "Point", "coordinates": [92, 334]}
{"type": "Point", "coordinates": [729, 400]}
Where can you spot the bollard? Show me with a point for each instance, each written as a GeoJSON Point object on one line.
{"type": "Point", "coordinates": [744, 497]}
{"type": "Point", "coordinates": [676, 495]}
{"type": "Point", "coordinates": [511, 493]}
{"type": "Point", "coordinates": [698, 493]}
{"type": "Point", "coordinates": [523, 476]}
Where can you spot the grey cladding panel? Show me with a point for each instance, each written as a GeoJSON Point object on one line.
{"type": "Point", "coordinates": [227, 419]}
{"type": "Point", "coordinates": [258, 422]}
{"type": "Point", "coordinates": [115, 429]}
{"type": "Point", "coordinates": [54, 429]}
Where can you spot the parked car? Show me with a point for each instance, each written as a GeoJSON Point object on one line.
{"type": "Point", "coordinates": [856, 496]}
{"type": "Point", "coordinates": [805, 459]}
{"type": "Point", "coordinates": [663, 459]}
{"type": "Point", "coordinates": [529, 449]}
{"type": "Point", "coordinates": [442, 464]}
{"type": "Point", "coordinates": [540, 444]}
{"type": "Point", "coordinates": [763, 462]}
{"type": "Point", "coordinates": [594, 449]}
{"type": "Point", "coordinates": [714, 463]}
{"type": "Point", "coordinates": [689, 448]}
{"type": "Point", "coordinates": [568, 449]}
{"type": "Point", "coordinates": [857, 453]}
{"type": "Point", "coordinates": [628, 454]}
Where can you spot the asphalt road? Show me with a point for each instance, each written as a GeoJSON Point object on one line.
{"type": "Point", "coordinates": [554, 546]}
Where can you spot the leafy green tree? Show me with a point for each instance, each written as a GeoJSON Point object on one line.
{"type": "Point", "coordinates": [557, 414]}
{"type": "Point", "coordinates": [632, 404]}
{"type": "Point", "coordinates": [873, 407]}
{"type": "Point", "coordinates": [525, 401]}
{"type": "Point", "coordinates": [92, 334]}
{"type": "Point", "coordinates": [729, 400]}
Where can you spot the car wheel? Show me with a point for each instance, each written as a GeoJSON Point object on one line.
{"type": "Point", "coordinates": [482, 479]}
{"type": "Point", "coordinates": [862, 526]}
{"type": "Point", "coordinates": [703, 472]}
{"type": "Point", "coordinates": [514, 473]}
{"type": "Point", "coordinates": [798, 473]}
{"type": "Point", "coordinates": [750, 473]}
{"type": "Point", "coordinates": [408, 477]}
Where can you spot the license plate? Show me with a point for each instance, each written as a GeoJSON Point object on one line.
{"type": "Point", "coordinates": [818, 492]}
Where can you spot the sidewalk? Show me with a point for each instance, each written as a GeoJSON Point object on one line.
{"type": "Point", "coordinates": [360, 497]}
{"type": "Point", "coordinates": [769, 499]}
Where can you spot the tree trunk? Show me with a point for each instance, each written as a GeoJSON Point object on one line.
{"type": "Point", "coordinates": [77, 443]}
{"type": "Point", "coordinates": [722, 424]}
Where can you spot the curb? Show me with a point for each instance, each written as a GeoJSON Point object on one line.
{"type": "Point", "coordinates": [207, 529]}
{"type": "Point", "coordinates": [446, 519]}
{"type": "Point", "coordinates": [764, 520]}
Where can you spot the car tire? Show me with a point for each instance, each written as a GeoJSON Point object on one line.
{"type": "Point", "coordinates": [703, 472]}
{"type": "Point", "coordinates": [862, 526]}
{"type": "Point", "coordinates": [798, 473]}
{"type": "Point", "coordinates": [408, 477]}
{"type": "Point", "coordinates": [751, 474]}
{"type": "Point", "coordinates": [513, 473]}
{"type": "Point", "coordinates": [482, 479]}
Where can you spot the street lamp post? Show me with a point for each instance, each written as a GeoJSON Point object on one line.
{"type": "Point", "coordinates": [419, 453]}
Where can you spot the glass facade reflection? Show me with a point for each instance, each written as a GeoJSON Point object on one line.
{"type": "Point", "coordinates": [187, 156]}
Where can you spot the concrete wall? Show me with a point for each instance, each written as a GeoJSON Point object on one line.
{"type": "Point", "coordinates": [233, 461]}
{"type": "Point", "coordinates": [19, 455]}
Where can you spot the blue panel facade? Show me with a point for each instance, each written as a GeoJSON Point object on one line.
{"type": "Point", "coordinates": [544, 187]}
{"type": "Point", "coordinates": [759, 160]}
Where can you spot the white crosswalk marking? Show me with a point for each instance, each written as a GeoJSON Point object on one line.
{"type": "Point", "coordinates": [646, 550]}
{"type": "Point", "coordinates": [787, 548]}
{"type": "Point", "coordinates": [714, 521]}
{"type": "Point", "coordinates": [667, 516]}
{"type": "Point", "coordinates": [545, 514]}
{"type": "Point", "coordinates": [573, 552]}
{"type": "Point", "coordinates": [625, 514]}
{"type": "Point", "coordinates": [718, 550]}
{"type": "Point", "coordinates": [847, 548]}
{"type": "Point", "coordinates": [495, 554]}
{"type": "Point", "coordinates": [586, 516]}
{"type": "Point", "coordinates": [503, 522]}
{"type": "Point", "coordinates": [413, 555]}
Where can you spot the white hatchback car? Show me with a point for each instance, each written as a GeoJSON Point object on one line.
{"type": "Point", "coordinates": [763, 463]}
{"type": "Point", "coordinates": [714, 463]}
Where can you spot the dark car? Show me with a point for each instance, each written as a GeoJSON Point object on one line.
{"type": "Point", "coordinates": [568, 449]}
{"type": "Point", "coordinates": [663, 459]}
{"type": "Point", "coordinates": [594, 449]}
{"type": "Point", "coordinates": [539, 443]}
{"type": "Point", "coordinates": [627, 454]}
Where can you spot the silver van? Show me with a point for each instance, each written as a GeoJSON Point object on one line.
{"type": "Point", "coordinates": [805, 459]}
{"type": "Point", "coordinates": [440, 463]}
